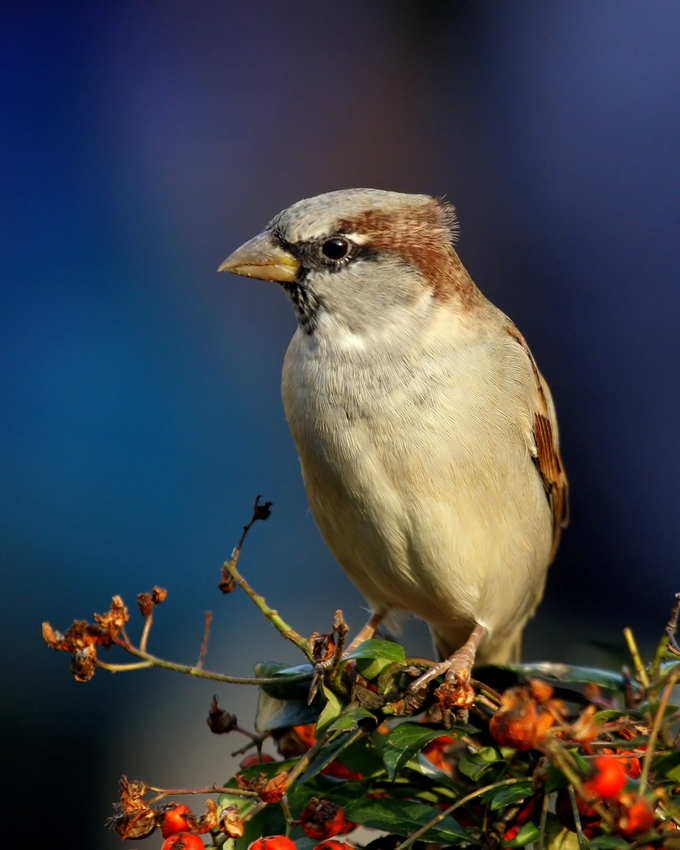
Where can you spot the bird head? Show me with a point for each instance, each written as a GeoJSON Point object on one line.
{"type": "Point", "coordinates": [358, 255]}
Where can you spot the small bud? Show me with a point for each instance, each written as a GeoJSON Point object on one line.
{"type": "Point", "coordinates": [220, 721]}
{"type": "Point", "coordinates": [84, 663]}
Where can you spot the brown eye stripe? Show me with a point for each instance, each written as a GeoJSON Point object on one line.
{"type": "Point", "coordinates": [422, 235]}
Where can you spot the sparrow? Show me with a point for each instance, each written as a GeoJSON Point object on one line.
{"type": "Point", "coordinates": [426, 434]}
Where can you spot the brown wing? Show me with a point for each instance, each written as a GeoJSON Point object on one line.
{"type": "Point", "coordinates": [548, 458]}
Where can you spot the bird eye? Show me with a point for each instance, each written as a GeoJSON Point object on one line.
{"type": "Point", "coordinates": [335, 248]}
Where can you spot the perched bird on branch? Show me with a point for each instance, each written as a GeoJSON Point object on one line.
{"type": "Point", "coordinates": [426, 434]}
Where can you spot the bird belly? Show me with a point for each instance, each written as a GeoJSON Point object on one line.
{"type": "Point", "coordinates": [426, 495]}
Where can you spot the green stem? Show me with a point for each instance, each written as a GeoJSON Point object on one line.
{"type": "Point", "coordinates": [582, 843]}
{"type": "Point", "coordinates": [273, 616]}
{"type": "Point", "coordinates": [656, 726]}
{"type": "Point", "coordinates": [637, 658]}
{"type": "Point", "coordinates": [149, 660]}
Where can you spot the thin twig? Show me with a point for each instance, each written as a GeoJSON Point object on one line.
{"type": "Point", "coordinates": [273, 616]}
{"type": "Point", "coordinates": [637, 658]}
{"type": "Point", "coordinates": [213, 789]}
{"type": "Point", "coordinates": [582, 843]}
{"type": "Point", "coordinates": [206, 638]}
{"type": "Point", "coordinates": [311, 753]}
{"type": "Point", "coordinates": [123, 668]}
{"type": "Point", "coordinates": [445, 812]}
{"type": "Point", "coordinates": [544, 820]}
{"type": "Point", "coordinates": [148, 622]}
{"type": "Point", "coordinates": [230, 567]}
{"type": "Point", "coordinates": [151, 661]}
{"type": "Point", "coordinates": [656, 726]}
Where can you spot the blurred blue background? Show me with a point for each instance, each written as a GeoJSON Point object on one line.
{"type": "Point", "coordinates": [140, 143]}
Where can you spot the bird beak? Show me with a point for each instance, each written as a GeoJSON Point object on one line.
{"type": "Point", "coordinates": [262, 257]}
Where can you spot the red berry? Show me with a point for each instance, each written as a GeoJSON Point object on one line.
{"type": "Point", "coordinates": [527, 811]}
{"type": "Point", "coordinates": [175, 819]}
{"type": "Point", "coordinates": [512, 833]}
{"type": "Point", "coordinates": [255, 758]}
{"type": "Point", "coordinates": [273, 842]}
{"type": "Point", "coordinates": [183, 841]}
{"type": "Point", "coordinates": [609, 779]}
{"type": "Point", "coordinates": [638, 818]}
{"type": "Point", "coordinates": [322, 819]}
{"type": "Point", "coordinates": [631, 765]}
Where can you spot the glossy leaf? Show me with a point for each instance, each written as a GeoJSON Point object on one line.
{"type": "Point", "coordinates": [608, 842]}
{"type": "Point", "coordinates": [273, 713]}
{"type": "Point", "coordinates": [473, 766]}
{"type": "Point", "coordinates": [557, 672]}
{"type": "Point", "coordinates": [350, 718]}
{"type": "Point", "coordinates": [402, 817]}
{"type": "Point", "coordinates": [384, 650]}
{"type": "Point", "coordinates": [407, 740]}
{"type": "Point", "coordinates": [510, 794]}
{"type": "Point", "coordinates": [330, 752]}
{"type": "Point", "coordinates": [285, 690]}
{"type": "Point", "coordinates": [527, 834]}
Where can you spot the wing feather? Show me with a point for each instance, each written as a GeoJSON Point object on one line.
{"type": "Point", "coordinates": [547, 447]}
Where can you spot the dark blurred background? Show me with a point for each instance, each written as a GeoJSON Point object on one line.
{"type": "Point", "coordinates": [141, 143]}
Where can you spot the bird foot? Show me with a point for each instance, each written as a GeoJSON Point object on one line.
{"type": "Point", "coordinates": [457, 667]}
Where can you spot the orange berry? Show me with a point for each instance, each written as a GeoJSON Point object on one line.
{"type": "Point", "coordinates": [322, 819]}
{"type": "Point", "coordinates": [609, 778]}
{"type": "Point", "coordinates": [175, 819]}
{"type": "Point", "coordinates": [273, 842]}
{"type": "Point", "coordinates": [638, 818]}
{"type": "Point", "coordinates": [183, 841]}
{"type": "Point", "coordinates": [332, 844]}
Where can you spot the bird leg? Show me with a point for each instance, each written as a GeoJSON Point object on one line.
{"type": "Point", "coordinates": [458, 666]}
{"type": "Point", "coordinates": [367, 632]}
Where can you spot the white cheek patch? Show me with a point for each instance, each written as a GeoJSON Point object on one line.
{"type": "Point", "coordinates": [343, 338]}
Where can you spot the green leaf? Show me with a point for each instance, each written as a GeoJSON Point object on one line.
{"type": "Point", "coordinates": [244, 804]}
{"type": "Point", "coordinates": [330, 712]}
{"type": "Point", "coordinates": [350, 718]}
{"type": "Point", "coordinates": [273, 713]}
{"type": "Point", "coordinates": [402, 817]}
{"type": "Point", "coordinates": [558, 672]}
{"type": "Point", "coordinates": [608, 842]}
{"type": "Point", "coordinates": [384, 650]}
{"type": "Point", "coordinates": [510, 794]}
{"type": "Point", "coordinates": [558, 837]}
{"type": "Point", "coordinates": [473, 766]}
{"type": "Point", "coordinates": [331, 751]}
{"type": "Point", "coordinates": [668, 767]}
{"type": "Point", "coordinates": [406, 741]}
{"type": "Point", "coordinates": [341, 793]}
{"type": "Point", "coordinates": [527, 834]}
{"type": "Point", "coordinates": [362, 758]}
{"type": "Point", "coordinates": [554, 779]}
{"type": "Point", "coordinates": [613, 714]}
{"type": "Point", "coordinates": [285, 690]}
